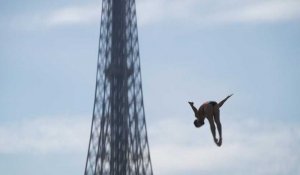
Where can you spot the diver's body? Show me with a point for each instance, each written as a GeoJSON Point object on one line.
{"type": "Point", "coordinates": [211, 111]}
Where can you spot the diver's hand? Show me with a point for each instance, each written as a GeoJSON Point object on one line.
{"type": "Point", "coordinates": [220, 142]}
{"type": "Point", "coordinates": [191, 103]}
{"type": "Point", "coordinates": [216, 140]}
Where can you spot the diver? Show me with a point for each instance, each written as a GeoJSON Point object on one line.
{"type": "Point", "coordinates": [211, 111]}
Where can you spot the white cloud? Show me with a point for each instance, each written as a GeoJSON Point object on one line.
{"type": "Point", "coordinates": [259, 12]}
{"type": "Point", "coordinates": [188, 12]}
{"type": "Point", "coordinates": [74, 15]}
{"type": "Point", "coordinates": [193, 12]}
{"type": "Point", "coordinates": [162, 11]}
{"type": "Point", "coordinates": [45, 135]}
{"type": "Point", "coordinates": [249, 146]}
{"type": "Point", "coordinates": [65, 16]}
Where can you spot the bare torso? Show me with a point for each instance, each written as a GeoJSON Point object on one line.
{"type": "Point", "coordinates": [208, 110]}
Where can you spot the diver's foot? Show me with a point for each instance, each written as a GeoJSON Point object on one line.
{"type": "Point", "coordinates": [191, 103]}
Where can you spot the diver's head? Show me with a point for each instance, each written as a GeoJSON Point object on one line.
{"type": "Point", "coordinates": [198, 123]}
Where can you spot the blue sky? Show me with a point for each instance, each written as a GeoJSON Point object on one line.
{"type": "Point", "coordinates": [190, 50]}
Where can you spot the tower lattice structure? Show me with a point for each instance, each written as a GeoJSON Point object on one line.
{"type": "Point", "coordinates": [118, 140]}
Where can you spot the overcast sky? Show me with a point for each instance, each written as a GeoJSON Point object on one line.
{"type": "Point", "coordinates": [194, 50]}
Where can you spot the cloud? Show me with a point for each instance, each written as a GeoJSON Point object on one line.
{"type": "Point", "coordinates": [151, 12]}
{"type": "Point", "coordinates": [45, 135]}
{"type": "Point", "coordinates": [61, 17]}
{"type": "Point", "coordinates": [74, 15]}
{"type": "Point", "coordinates": [249, 146]}
{"type": "Point", "coordinates": [193, 13]}
{"type": "Point", "coordinates": [260, 12]}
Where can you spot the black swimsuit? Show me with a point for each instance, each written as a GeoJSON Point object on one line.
{"type": "Point", "coordinates": [213, 103]}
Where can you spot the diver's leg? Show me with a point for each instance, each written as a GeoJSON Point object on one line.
{"type": "Point", "coordinates": [223, 101]}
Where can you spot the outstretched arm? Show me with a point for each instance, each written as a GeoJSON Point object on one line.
{"type": "Point", "coordinates": [194, 108]}
{"type": "Point", "coordinates": [212, 129]}
{"type": "Point", "coordinates": [219, 127]}
{"type": "Point", "coordinates": [218, 122]}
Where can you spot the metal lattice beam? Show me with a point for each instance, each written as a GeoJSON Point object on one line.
{"type": "Point", "coordinates": [118, 140]}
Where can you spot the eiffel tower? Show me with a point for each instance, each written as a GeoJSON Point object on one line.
{"type": "Point", "coordinates": [118, 140]}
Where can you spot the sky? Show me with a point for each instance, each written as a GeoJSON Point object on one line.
{"type": "Point", "coordinates": [191, 50]}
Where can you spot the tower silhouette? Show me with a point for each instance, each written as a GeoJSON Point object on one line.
{"type": "Point", "coordinates": [118, 140]}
